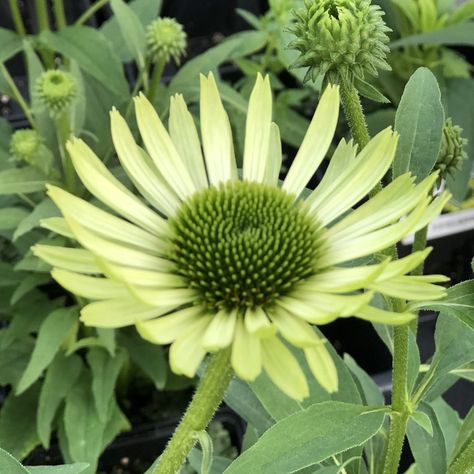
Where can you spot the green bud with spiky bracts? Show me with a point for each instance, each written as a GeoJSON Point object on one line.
{"type": "Point", "coordinates": [56, 89]}
{"type": "Point", "coordinates": [451, 154]}
{"type": "Point", "coordinates": [27, 146]}
{"type": "Point", "coordinates": [166, 39]}
{"type": "Point", "coordinates": [343, 41]}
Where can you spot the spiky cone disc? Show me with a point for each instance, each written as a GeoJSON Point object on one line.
{"type": "Point", "coordinates": [452, 152]}
{"type": "Point", "coordinates": [56, 90]}
{"type": "Point", "coordinates": [166, 39]}
{"type": "Point", "coordinates": [207, 260]}
{"type": "Point", "coordinates": [341, 40]}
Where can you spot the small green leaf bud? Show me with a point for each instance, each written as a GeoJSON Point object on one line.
{"type": "Point", "coordinates": [56, 89]}
{"type": "Point", "coordinates": [166, 39]}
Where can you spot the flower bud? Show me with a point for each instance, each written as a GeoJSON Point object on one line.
{"type": "Point", "coordinates": [25, 145]}
{"type": "Point", "coordinates": [56, 89]}
{"type": "Point", "coordinates": [451, 154]}
{"type": "Point", "coordinates": [341, 40]}
{"type": "Point", "coordinates": [166, 39]}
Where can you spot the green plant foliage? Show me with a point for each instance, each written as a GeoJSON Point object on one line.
{"type": "Point", "coordinates": [419, 120]}
{"type": "Point", "coordinates": [309, 437]}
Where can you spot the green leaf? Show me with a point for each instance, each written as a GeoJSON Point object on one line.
{"type": "Point", "coordinates": [43, 210]}
{"type": "Point", "coordinates": [369, 91]}
{"type": "Point", "coordinates": [107, 337]}
{"type": "Point", "coordinates": [465, 434]}
{"type": "Point", "coordinates": [460, 99]}
{"type": "Point", "coordinates": [449, 422]}
{"type": "Point", "coordinates": [10, 44]}
{"type": "Point", "coordinates": [242, 399]}
{"type": "Point", "coordinates": [423, 420]}
{"type": "Point", "coordinates": [27, 284]}
{"type": "Point", "coordinates": [17, 423]}
{"type": "Point", "coordinates": [309, 437]}
{"type": "Point", "coordinates": [52, 333]}
{"type": "Point", "coordinates": [145, 10]}
{"type": "Point", "coordinates": [13, 361]}
{"type": "Point", "coordinates": [235, 46]}
{"type": "Point", "coordinates": [105, 370]}
{"type": "Point", "coordinates": [148, 357]}
{"type": "Point", "coordinates": [21, 180]}
{"type": "Point", "coordinates": [368, 389]}
{"type": "Point", "coordinates": [76, 468]}
{"type": "Point", "coordinates": [93, 53]}
{"type": "Point", "coordinates": [419, 120]}
{"type": "Point", "coordinates": [428, 450]}
{"type": "Point", "coordinates": [82, 427]}
{"type": "Point", "coordinates": [10, 217]}
{"type": "Point", "coordinates": [464, 12]}
{"type": "Point", "coordinates": [8, 464]}
{"type": "Point", "coordinates": [60, 378]}
{"type": "Point", "coordinates": [461, 34]}
{"type": "Point", "coordinates": [459, 303]}
{"type": "Point", "coordinates": [131, 29]}
{"type": "Point", "coordinates": [207, 449]}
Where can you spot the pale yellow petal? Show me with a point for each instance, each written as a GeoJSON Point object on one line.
{"type": "Point", "coordinates": [246, 353]}
{"type": "Point", "coordinates": [220, 332]}
{"type": "Point", "coordinates": [322, 366]}
{"type": "Point", "coordinates": [75, 260]}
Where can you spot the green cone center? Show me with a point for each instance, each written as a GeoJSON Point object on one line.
{"type": "Point", "coordinates": [243, 244]}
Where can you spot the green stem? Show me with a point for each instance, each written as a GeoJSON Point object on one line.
{"type": "Point", "coordinates": [206, 400]}
{"type": "Point", "coordinates": [355, 115]}
{"type": "Point", "coordinates": [155, 79]}
{"type": "Point", "coordinates": [59, 14]}
{"type": "Point", "coordinates": [418, 244]}
{"type": "Point", "coordinates": [27, 200]}
{"type": "Point", "coordinates": [400, 404]}
{"type": "Point", "coordinates": [356, 120]}
{"type": "Point", "coordinates": [63, 132]}
{"type": "Point", "coordinates": [90, 11]}
{"type": "Point", "coordinates": [463, 463]}
{"type": "Point", "coordinates": [43, 25]}
{"type": "Point", "coordinates": [17, 95]}
{"type": "Point", "coordinates": [16, 16]}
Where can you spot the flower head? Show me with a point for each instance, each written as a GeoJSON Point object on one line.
{"type": "Point", "coordinates": [25, 145]}
{"type": "Point", "coordinates": [341, 40]}
{"type": "Point", "coordinates": [206, 260]}
{"type": "Point", "coordinates": [56, 89]}
{"type": "Point", "coordinates": [166, 39]}
{"type": "Point", "coordinates": [452, 153]}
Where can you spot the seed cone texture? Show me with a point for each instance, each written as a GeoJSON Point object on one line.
{"type": "Point", "coordinates": [341, 40]}
{"type": "Point", "coordinates": [242, 245]}
{"type": "Point", "coordinates": [166, 39]}
{"type": "Point", "coordinates": [56, 89]}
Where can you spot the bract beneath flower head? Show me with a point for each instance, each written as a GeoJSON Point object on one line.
{"type": "Point", "coordinates": [204, 260]}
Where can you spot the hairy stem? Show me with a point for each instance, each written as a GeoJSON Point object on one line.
{"type": "Point", "coordinates": [41, 8]}
{"type": "Point", "coordinates": [356, 120]}
{"type": "Point", "coordinates": [206, 400]}
{"type": "Point", "coordinates": [400, 406]}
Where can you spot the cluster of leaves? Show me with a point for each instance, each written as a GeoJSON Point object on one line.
{"type": "Point", "coordinates": [63, 377]}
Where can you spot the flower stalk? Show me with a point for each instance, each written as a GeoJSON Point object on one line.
{"type": "Point", "coordinates": [354, 114]}
{"type": "Point", "coordinates": [16, 16]}
{"type": "Point", "coordinates": [206, 400]}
